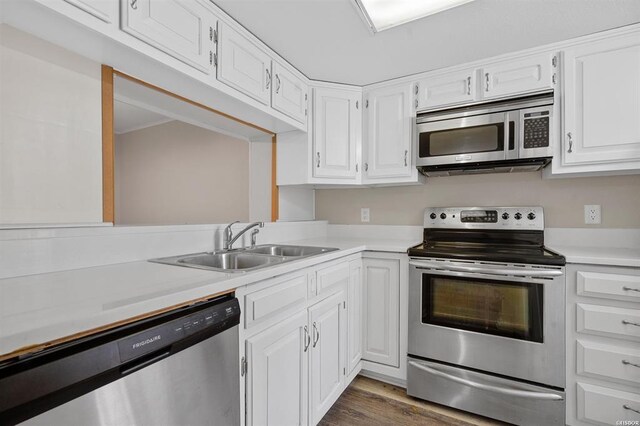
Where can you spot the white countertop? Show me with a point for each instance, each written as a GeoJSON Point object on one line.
{"type": "Point", "coordinates": [40, 308]}
{"type": "Point", "coordinates": [600, 255]}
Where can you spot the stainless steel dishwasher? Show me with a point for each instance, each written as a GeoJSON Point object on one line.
{"type": "Point", "coordinates": [179, 368]}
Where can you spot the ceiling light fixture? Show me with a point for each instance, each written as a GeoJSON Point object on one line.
{"type": "Point", "coordinates": [384, 14]}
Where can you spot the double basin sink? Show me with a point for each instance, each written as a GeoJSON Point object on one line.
{"type": "Point", "coordinates": [246, 259]}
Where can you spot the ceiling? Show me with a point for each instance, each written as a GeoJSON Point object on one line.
{"type": "Point", "coordinates": [328, 40]}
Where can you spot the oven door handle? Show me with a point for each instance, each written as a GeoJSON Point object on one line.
{"type": "Point", "coordinates": [487, 269]}
{"type": "Point", "coordinates": [490, 388]}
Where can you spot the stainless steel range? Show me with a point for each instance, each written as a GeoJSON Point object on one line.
{"type": "Point", "coordinates": [487, 315]}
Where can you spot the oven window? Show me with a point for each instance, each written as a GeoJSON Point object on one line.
{"type": "Point", "coordinates": [493, 307]}
{"type": "Point", "coordinates": [466, 140]}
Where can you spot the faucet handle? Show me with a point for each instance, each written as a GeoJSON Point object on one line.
{"type": "Point", "coordinates": [254, 236]}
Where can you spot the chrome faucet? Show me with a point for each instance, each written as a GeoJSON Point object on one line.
{"type": "Point", "coordinates": [229, 238]}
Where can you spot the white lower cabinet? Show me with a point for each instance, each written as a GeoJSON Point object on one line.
{"type": "Point", "coordinates": [297, 357]}
{"type": "Point", "coordinates": [381, 306]}
{"type": "Point", "coordinates": [354, 312]}
{"type": "Point", "coordinates": [328, 322]}
{"type": "Point", "coordinates": [603, 345]}
{"type": "Point", "coordinates": [277, 374]}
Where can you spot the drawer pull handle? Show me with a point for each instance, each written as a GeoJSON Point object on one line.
{"type": "Point", "coordinates": [633, 364]}
{"type": "Point", "coordinates": [316, 335]}
{"type": "Point", "coordinates": [625, 322]}
{"type": "Point", "coordinates": [625, 288]}
{"type": "Point", "coordinates": [626, 407]}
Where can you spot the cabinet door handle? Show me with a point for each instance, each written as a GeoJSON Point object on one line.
{"type": "Point", "coordinates": [316, 334]}
{"type": "Point", "coordinates": [307, 338]}
{"type": "Point", "coordinates": [486, 77]}
{"type": "Point", "coordinates": [469, 85]}
{"type": "Point", "coordinates": [356, 167]}
{"type": "Point", "coordinates": [268, 78]}
{"type": "Point", "coordinates": [277, 83]}
{"type": "Point", "coordinates": [625, 322]}
{"type": "Point", "coordinates": [406, 152]}
{"type": "Point", "coordinates": [366, 167]}
{"type": "Point", "coordinates": [357, 104]}
{"type": "Point", "coordinates": [417, 88]}
{"type": "Point", "coordinates": [134, 4]}
{"type": "Point", "coordinates": [633, 364]}
{"type": "Point", "coordinates": [625, 288]}
{"type": "Point", "coordinates": [626, 407]}
{"type": "Point", "coordinates": [570, 137]}
{"type": "Point", "coordinates": [318, 159]}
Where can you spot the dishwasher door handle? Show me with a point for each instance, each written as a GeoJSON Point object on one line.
{"type": "Point", "coordinates": [142, 362]}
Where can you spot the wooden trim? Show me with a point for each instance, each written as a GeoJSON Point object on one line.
{"type": "Point", "coordinates": [108, 197]}
{"type": "Point", "coordinates": [42, 346]}
{"type": "Point", "coordinates": [275, 198]}
{"type": "Point", "coordinates": [189, 101]}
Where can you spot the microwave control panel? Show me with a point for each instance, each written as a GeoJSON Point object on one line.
{"type": "Point", "coordinates": [536, 129]}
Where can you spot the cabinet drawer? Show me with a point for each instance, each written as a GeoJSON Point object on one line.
{"type": "Point", "coordinates": [608, 321]}
{"type": "Point", "coordinates": [608, 361]}
{"type": "Point", "coordinates": [610, 286]}
{"type": "Point", "coordinates": [602, 405]}
{"type": "Point", "coordinates": [332, 276]}
{"type": "Point", "coordinates": [269, 301]}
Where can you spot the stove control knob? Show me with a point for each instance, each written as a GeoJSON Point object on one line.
{"type": "Point", "coordinates": [531, 216]}
{"type": "Point", "coordinates": [505, 216]}
{"type": "Point", "coordinates": [518, 216]}
{"type": "Point", "coordinates": [443, 215]}
{"type": "Point", "coordinates": [432, 216]}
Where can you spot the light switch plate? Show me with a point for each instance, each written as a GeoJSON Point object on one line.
{"type": "Point", "coordinates": [364, 214]}
{"type": "Point", "coordinates": [592, 214]}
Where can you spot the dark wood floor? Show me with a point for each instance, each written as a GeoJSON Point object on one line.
{"type": "Point", "coordinates": [373, 403]}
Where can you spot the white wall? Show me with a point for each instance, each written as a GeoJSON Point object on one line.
{"type": "Point", "coordinates": [260, 180]}
{"type": "Point", "coordinates": [50, 133]}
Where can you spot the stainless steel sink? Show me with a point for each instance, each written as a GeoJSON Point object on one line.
{"type": "Point", "coordinates": [244, 260]}
{"type": "Point", "coordinates": [289, 251]}
{"type": "Point", "coordinates": [230, 260]}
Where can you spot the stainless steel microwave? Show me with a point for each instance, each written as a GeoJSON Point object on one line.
{"type": "Point", "coordinates": [515, 135]}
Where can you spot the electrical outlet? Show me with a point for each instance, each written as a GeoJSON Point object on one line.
{"type": "Point", "coordinates": [592, 214]}
{"type": "Point", "coordinates": [364, 214]}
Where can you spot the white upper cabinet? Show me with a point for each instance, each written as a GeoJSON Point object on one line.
{"type": "Point", "coordinates": [337, 129]}
{"type": "Point", "coordinates": [519, 76]}
{"type": "Point", "coordinates": [243, 65]}
{"type": "Point", "coordinates": [104, 10]}
{"type": "Point", "coordinates": [447, 89]}
{"type": "Point", "coordinates": [602, 102]}
{"type": "Point", "coordinates": [289, 93]}
{"type": "Point", "coordinates": [388, 136]}
{"type": "Point", "coordinates": [327, 366]}
{"type": "Point", "coordinates": [181, 28]}
{"type": "Point", "coordinates": [277, 374]}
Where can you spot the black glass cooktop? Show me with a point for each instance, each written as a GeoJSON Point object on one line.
{"type": "Point", "coordinates": [493, 246]}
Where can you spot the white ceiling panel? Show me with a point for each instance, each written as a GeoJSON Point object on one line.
{"type": "Point", "coordinates": [329, 40]}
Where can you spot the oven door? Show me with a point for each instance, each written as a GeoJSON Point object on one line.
{"type": "Point", "coordinates": [480, 138]}
{"type": "Point", "coordinates": [497, 318]}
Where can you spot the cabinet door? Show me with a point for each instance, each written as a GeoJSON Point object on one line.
{"type": "Point", "coordinates": [602, 101]}
{"type": "Point", "coordinates": [277, 371]}
{"type": "Point", "coordinates": [181, 28]}
{"type": "Point", "coordinates": [337, 128]}
{"type": "Point", "coordinates": [243, 65]}
{"type": "Point", "coordinates": [290, 94]}
{"type": "Point", "coordinates": [452, 88]}
{"type": "Point", "coordinates": [520, 76]}
{"type": "Point", "coordinates": [389, 132]}
{"type": "Point", "coordinates": [105, 10]}
{"type": "Point", "coordinates": [327, 367]}
{"type": "Point", "coordinates": [381, 295]}
{"type": "Point", "coordinates": [354, 315]}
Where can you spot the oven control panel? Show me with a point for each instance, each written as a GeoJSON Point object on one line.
{"type": "Point", "coordinates": [525, 218]}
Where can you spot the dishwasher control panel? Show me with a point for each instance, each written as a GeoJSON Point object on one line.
{"type": "Point", "coordinates": [151, 340]}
